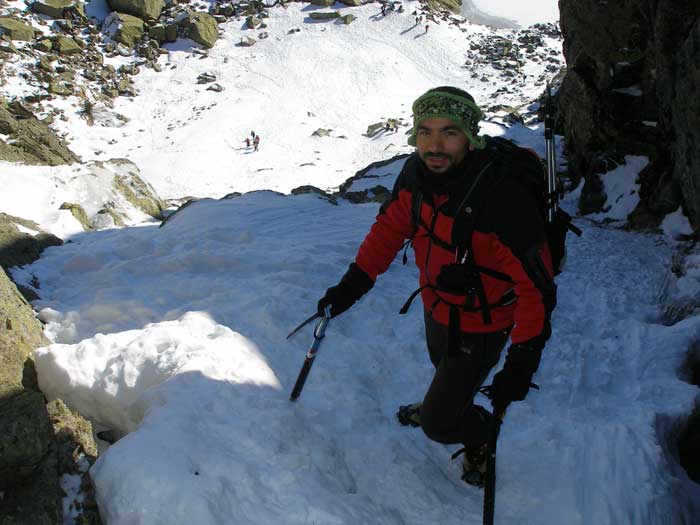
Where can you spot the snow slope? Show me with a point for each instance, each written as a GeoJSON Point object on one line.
{"type": "Point", "coordinates": [175, 338]}
{"type": "Point", "coordinates": [188, 140]}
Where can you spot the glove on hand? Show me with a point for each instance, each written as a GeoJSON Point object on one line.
{"type": "Point", "coordinates": [513, 382]}
{"type": "Point", "coordinates": [354, 284]}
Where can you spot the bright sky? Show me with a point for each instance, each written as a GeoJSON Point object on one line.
{"type": "Point", "coordinates": [174, 337]}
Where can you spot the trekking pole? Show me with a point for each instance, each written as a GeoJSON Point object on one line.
{"type": "Point", "coordinates": [552, 196]}
{"type": "Point", "coordinates": [490, 476]}
{"type": "Point", "coordinates": [319, 333]}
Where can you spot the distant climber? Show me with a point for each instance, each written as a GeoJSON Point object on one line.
{"type": "Point", "coordinates": [256, 142]}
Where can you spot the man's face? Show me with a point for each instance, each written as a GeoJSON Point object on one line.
{"type": "Point", "coordinates": [441, 144]}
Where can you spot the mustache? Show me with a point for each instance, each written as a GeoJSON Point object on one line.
{"type": "Point", "coordinates": [437, 155]}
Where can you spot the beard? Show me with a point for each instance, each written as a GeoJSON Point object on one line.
{"type": "Point", "coordinates": [439, 163]}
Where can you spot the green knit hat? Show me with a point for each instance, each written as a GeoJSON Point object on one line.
{"type": "Point", "coordinates": [451, 103]}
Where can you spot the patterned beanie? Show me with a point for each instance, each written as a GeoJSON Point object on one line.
{"type": "Point", "coordinates": [451, 103]}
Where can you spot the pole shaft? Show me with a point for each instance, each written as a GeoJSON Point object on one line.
{"type": "Point", "coordinates": [301, 378]}
{"type": "Point", "coordinates": [551, 156]}
{"type": "Point", "coordinates": [490, 481]}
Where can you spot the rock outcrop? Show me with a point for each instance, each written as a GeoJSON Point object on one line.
{"type": "Point", "coordinates": [143, 9]}
{"type": "Point", "coordinates": [631, 88]}
{"type": "Point", "coordinates": [31, 141]}
{"type": "Point", "coordinates": [18, 248]}
{"type": "Point", "coordinates": [39, 442]}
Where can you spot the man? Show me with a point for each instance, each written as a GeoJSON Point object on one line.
{"type": "Point", "coordinates": [485, 269]}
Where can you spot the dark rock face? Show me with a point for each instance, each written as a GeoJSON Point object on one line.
{"type": "Point", "coordinates": [17, 248]}
{"type": "Point", "coordinates": [39, 442]}
{"type": "Point", "coordinates": [631, 88]}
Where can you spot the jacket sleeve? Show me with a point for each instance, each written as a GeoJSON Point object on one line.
{"type": "Point", "coordinates": [521, 251]}
{"type": "Point", "coordinates": [391, 228]}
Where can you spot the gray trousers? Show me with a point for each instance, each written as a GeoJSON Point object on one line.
{"type": "Point", "coordinates": [448, 414]}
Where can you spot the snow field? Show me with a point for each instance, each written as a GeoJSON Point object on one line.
{"type": "Point", "coordinates": [213, 442]}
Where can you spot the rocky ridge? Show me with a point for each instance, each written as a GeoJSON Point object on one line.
{"type": "Point", "coordinates": [631, 89]}
{"type": "Point", "coordinates": [633, 69]}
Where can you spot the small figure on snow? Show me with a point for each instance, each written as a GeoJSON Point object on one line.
{"type": "Point", "coordinates": [256, 142]}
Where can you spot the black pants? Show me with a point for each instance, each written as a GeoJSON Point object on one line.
{"type": "Point", "coordinates": [448, 414]}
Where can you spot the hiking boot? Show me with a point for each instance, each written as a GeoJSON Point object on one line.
{"type": "Point", "coordinates": [474, 466]}
{"type": "Point", "coordinates": [409, 414]}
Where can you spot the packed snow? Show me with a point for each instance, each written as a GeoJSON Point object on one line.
{"type": "Point", "coordinates": [173, 337]}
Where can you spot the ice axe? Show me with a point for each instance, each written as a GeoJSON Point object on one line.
{"type": "Point", "coordinates": [319, 333]}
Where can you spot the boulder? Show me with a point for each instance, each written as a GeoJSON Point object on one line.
{"type": "Point", "coordinates": [351, 3]}
{"type": "Point", "coordinates": [454, 6]}
{"type": "Point", "coordinates": [304, 190]}
{"type": "Point", "coordinates": [348, 19]}
{"type": "Point", "coordinates": [55, 8]}
{"type": "Point", "coordinates": [7, 47]}
{"type": "Point", "coordinates": [125, 28]}
{"type": "Point", "coordinates": [8, 123]}
{"type": "Point", "coordinates": [322, 3]}
{"type": "Point", "coordinates": [246, 41]}
{"type": "Point", "coordinates": [143, 9]}
{"type": "Point", "coordinates": [67, 46]}
{"type": "Point", "coordinates": [78, 212]}
{"type": "Point", "coordinates": [202, 28]}
{"type": "Point", "coordinates": [171, 31]}
{"type": "Point", "coordinates": [108, 217]}
{"type": "Point", "coordinates": [135, 190]}
{"type": "Point", "coordinates": [158, 33]}
{"type": "Point", "coordinates": [44, 64]}
{"type": "Point", "coordinates": [60, 88]}
{"type": "Point", "coordinates": [18, 248]}
{"type": "Point", "coordinates": [16, 29]}
{"type": "Point", "coordinates": [43, 45]}
{"type": "Point", "coordinates": [252, 22]}
{"type": "Point", "coordinates": [32, 141]}
{"type": "Point", "coordinates": [375, 128]}
{"type": "Point", "coordinates": [324, 15]}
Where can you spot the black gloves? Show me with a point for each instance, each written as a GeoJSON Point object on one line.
{"type": "Point", "coordinates": [354, 284]}
{"type": "Point", "coordinates": [513, 382]}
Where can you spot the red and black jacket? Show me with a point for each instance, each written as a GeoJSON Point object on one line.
{"type": "Point", "coordinates": [507, 242]}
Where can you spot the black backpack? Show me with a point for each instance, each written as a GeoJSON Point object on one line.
{"type": "Point", "coordinates": [531, 172]}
